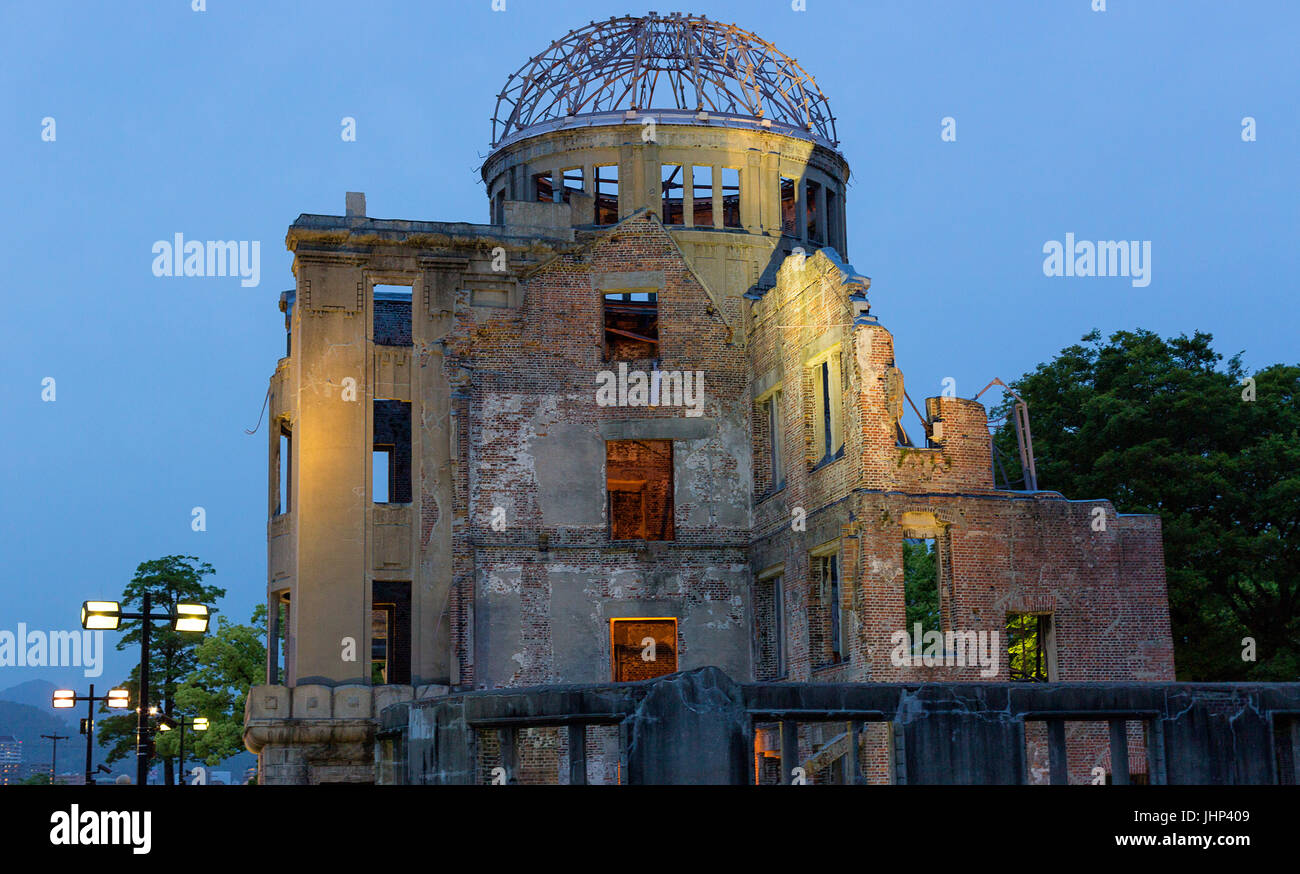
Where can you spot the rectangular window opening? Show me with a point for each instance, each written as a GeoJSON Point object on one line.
{"type": "Point", "coordinates": [639, 483]}
{"type": "Point", "coordinates": [777, 473]}
{"type": "Point", "coordinates": [392, 315]}
{"type": "Point", "coordinates": [770, 608]}
{"type": "Point", "coordinates": [832, 218]}
{"type": "Point", "coordinates": [789, 207]}
{"type": "Point", "coordinates": [284, 471]}
{"type": "Point", "coordinates": [812, 226]}
{"type": "Point", "coordinates": [921, 585]}
{"type": "Point", "coordinates": [642, 648]}
{"type": "Point", "coordinates": [391, 457]}
{"type": "Point", "coordinates": [543, 188]}
{"type": "Point", "coordinates": [380, 462]}
{"type": "Point", "coordinates": [606, 180]}
{"type": "Point", "coordinates": [827, 639]}
{"type": "Point", "coordinates": [631, 325]}
{"type": "Point", "coordinates": [390, 633]}
{"type": "Point", "coordinates": [573, 181]}
{"type": "Point", "coordinates": [702, 196]}
{"type": "Point", "coordinates": [673, 189]}
{"type": "Point", "coordinates": [827, 422]}
{"type": "Point", "coordinates": [276, 632]}
{"type": "Point", "coordinates": [1029, 647]}
{"type": "Point", "coordinates": [730, 197]}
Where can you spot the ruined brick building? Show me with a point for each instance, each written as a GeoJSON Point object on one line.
{"type": "Point", "coordinates": [644, 420]}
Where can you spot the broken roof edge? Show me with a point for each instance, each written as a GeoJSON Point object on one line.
{"type": "Point", "coordinates": [848, 273]}
{"type": "Point", "coordinates": [357, 230]}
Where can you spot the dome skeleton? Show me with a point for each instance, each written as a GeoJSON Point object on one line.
{"type": "Point", "coordinates": [706, 66]}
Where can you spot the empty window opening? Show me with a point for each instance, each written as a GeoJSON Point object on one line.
{"type": "Point", "coordinates": [642, 648]}
{"type": "Point", "coordinates": [811, 200]}
{"type": "Point", "coordinates": [543, 188]}
{"type": "Point", "coordinates": [921, 585]}
{"type": "Point", "coordinates": [380, 462]}
{"type": "Point", "coordinates": [392, 314]}
{"type": "Point", "coordinates": [826, 637]}
{"type": "Point", "coordinates": [828, 438]}
{"type": "Point", "coordinates": [1081, 746]}
{"type": "Point", "coordinates": [774, 439]}
{"type": "Point", "coordinates": [390, 633]}
{"type": "Point", "coordinates": [825, 380]}
{"type": "Point", "coordinates": [631, 325]}
{"type": "Point", "coordinates": [499, 208]}
{"type": "Point", "coordinates": [673, 189]}
{"type": "Point", "coordinates": [606, 194]}
{"type": "Point", "coordinates": [276, 632]}
{"type": "Point", "coordinates": [770, 609]}
{"type": "Point", "coordinates": [391, 457]}
{"type": "Point", "coordinates": [702, 199]}
{"type": "Point", "coordinates": [284, 471]}
{"type": "Point", "coordinates": [573, 181]}
{"type": "Point", "coordinates": [789, 207]}
{"type": "Point", "coordinates": [769, 470]}
{"type": "Point", "coordinates": [832, 218]}
{"type": "Point", "coordinates": [1028, 647]}
{"type": "Point", "coordinates": [639, 482]}
{"type": "Point", "coordinates": [730, 197]}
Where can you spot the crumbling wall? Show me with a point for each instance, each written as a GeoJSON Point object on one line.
{"type": "Point", "coordinates": [547, 576]}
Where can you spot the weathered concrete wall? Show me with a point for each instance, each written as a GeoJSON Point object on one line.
{"type": "Point", "coordinates": [698, 727]}
{"type": "Point", "coordinates": [548, 578]}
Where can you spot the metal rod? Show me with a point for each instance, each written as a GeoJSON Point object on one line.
{"type": "Point", "coordinates": [142, 717]}
{"type": "Point", "coordinates": [90, 734]}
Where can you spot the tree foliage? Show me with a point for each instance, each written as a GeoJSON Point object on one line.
{"type": "Point", "coordinates": [229, 662]}
{"type": "Point", "coordinates": [1167, 427]}
{"type": "Point", "coordinates": [168, 580]}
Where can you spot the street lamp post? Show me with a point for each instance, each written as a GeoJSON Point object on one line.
{"type": "Point", "coordinates": [108, 615]}
{"type": "Point", "coordinates": [54, 756]}
{"type": "Point", "coordinates": [167, 723]}
{"type": "Point", "coordinates": [65, 698]}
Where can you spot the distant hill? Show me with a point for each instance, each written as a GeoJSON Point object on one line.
{"type": "Point", "coordinates": [27, 712]}
{"type": "Point", "coordinates": [28, 723]}
{"type": "Point", "coordinates": [36, 693]}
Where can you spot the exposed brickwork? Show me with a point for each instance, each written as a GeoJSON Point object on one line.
{"type": "Point", "coordinates": [392, 323]}
{"type": "Point", "coordinates": [532, 590]}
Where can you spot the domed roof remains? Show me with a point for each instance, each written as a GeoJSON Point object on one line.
{"type": "Point", "coordinates": [685, 68]}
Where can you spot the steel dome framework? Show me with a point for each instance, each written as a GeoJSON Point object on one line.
{"type": "Point", "coordinates": [680, 62]}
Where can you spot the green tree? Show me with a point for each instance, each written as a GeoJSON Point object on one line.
{"type": "Point", "coordinates": [168, 580]}
{"type": "Point", "coordinates": [1165, 426]}
{"type": "Point", "coordinates": [229, 662]}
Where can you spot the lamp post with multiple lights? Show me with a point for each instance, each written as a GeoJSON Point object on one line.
{"type": "Point", "coordinates": [65, 698]}
{"type": "Point", "coordinates": [167, 723]}
{"type": "Point", "coordinates": [107, 616]}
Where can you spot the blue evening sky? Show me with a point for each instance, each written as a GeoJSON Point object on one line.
{"type": "Point", "coordinates": [225, 124]}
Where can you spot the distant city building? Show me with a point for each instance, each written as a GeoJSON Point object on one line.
{"type": "Point", "coordinates": [31, 769]}
{"type": "Point", "coordinates": [11, 759]}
